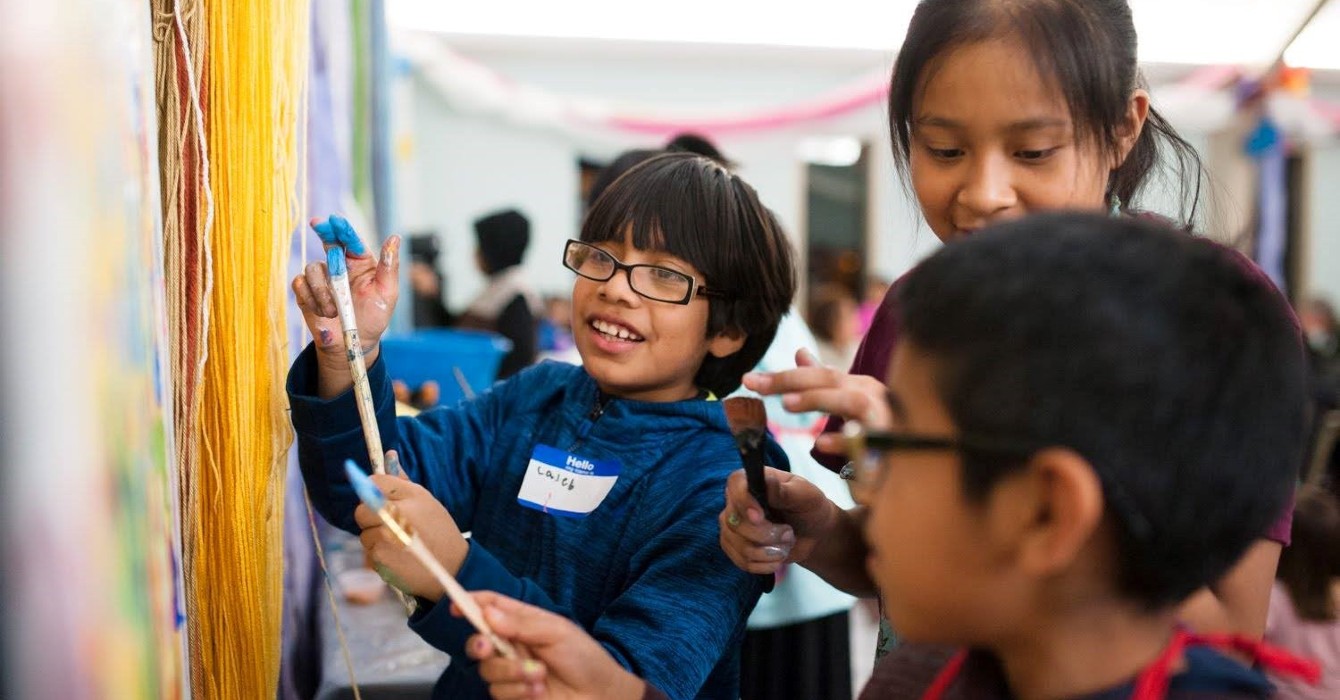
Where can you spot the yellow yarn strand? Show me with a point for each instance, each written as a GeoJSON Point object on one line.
{"type": "Point", "coordinates": [257, 67]}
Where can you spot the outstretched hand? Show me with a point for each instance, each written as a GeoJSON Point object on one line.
{"type": "Point", "coordinates": [814, 387]}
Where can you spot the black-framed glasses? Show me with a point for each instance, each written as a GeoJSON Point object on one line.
{"type": "Point", "coordinates": [866, 469]}
{"type": "Point", "coordinates": [651, 281]}
{"type": "Point", "coordinates": [865, 448]}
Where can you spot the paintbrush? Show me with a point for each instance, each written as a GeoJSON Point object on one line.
{"type": "Point", "coordinates": [748, 423]}
{"type": "Point", "coordinates": [344, 301]}
{"type": "Point", "coordinates": [373, 498]}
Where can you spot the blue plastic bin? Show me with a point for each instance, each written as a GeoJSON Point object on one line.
{"type": "Point", "coordinates": [436, 354]}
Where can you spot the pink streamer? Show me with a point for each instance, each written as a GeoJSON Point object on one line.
{"type": "Point", "coordinates": [1328, 110]}
{"type": "Point", "coordinates": [845, 100]}
{"type": "Point", "coordinates": [850, 101]}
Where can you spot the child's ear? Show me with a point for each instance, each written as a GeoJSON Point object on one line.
{"type": "Point", "coordinates": [727, 342]}
{"type": "Point", "coordinates": [1132, 125]}
{"type": "Point", "coordinates": [1066, 499]}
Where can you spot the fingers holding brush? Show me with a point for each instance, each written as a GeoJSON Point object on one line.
{"type": "Point", "coordinates": [805, 516]}
{"type": "Point", "coordinates": [368, 283]}
{"type": "Point", "coordinates": [316, 281]}
{"type": "Point", "coordinates": [325, 329]}
{"type": "Point", "coordinates": [508, 679]}
{"type": "Point", "coordinates": [759, 556]}
{"type": "Point", "coordinates": [752, 542]}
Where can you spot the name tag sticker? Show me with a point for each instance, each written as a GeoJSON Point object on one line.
{"type": "Point", "coordinates": [561, 483]}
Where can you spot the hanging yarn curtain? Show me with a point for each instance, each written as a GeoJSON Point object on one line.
{"type": "Point", "coordinates": [231, 78]}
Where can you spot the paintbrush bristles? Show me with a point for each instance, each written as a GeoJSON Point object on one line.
{"type": "Point", "coordinates": [749, 424]}
{"type": "Point", "coordinates": [745, 414]}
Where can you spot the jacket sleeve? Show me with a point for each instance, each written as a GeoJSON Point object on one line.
{"type": "Point", "coordinates": [444, 450]}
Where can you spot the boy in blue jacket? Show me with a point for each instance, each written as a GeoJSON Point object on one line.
{"type": "Point", "coordinates": [589, 491]}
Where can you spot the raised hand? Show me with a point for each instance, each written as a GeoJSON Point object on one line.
{"type": "Point", "coordinates": [373, 282]}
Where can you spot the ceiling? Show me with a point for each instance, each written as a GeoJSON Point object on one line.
{"type": "Point", "coordinates": [1250, 33]}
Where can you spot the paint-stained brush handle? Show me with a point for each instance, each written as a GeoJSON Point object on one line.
{"type": "Point", "coordinates": [344, 302]}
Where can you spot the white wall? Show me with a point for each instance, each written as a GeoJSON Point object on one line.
{"type": "Point", "coordinates": [1323, 269]}
{"type": "Point", "coordinates": [464, 168]}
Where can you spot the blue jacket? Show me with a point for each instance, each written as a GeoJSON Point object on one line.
{"type": "Point", "coordinates": [643, 573]}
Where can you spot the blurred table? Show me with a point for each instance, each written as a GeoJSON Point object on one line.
{"type": "Point", "coordinates": [390, 661]}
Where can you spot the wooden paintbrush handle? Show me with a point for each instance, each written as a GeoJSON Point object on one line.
{"type": "Point", "coordinates": [455, 592]}
{"type": "Point", "coordinates": [367, 413]}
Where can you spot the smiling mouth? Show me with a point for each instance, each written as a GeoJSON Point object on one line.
{"type": "Point", "coordinates": [614, 331]}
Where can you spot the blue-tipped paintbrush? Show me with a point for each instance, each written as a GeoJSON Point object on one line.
{"type": "Point", "coordinates": [373, 498]}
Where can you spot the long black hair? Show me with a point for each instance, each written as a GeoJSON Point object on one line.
{"type": "Point", "coordinates": [1087, 48]}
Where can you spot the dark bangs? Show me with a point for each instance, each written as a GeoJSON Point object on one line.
{"type": "Point", "coordinates": [681, 204]}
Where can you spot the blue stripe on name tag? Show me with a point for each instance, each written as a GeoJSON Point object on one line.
{"type": "Point", "coordinates": [577, 465]}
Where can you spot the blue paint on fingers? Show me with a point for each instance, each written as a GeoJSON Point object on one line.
{"type": "Point", "coordinates": [335, 261]}
{"type": "Point", "coordinates": [337, 231]}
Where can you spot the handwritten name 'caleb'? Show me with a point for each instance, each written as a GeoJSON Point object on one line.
{"type": "Point", "coordinates": [558, 476]}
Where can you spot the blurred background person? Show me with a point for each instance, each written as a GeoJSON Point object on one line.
{"type": "Point", "coordinates": [1305, 601]}
{"type": "Point", "coordinates": [507, 306]}
{"type": "Point", "coordinates": [1321, 328]}
{"type": "Point", "coordinates": [875, 289]}
{"type": "Point", "coordinates": [425, 281]}
{"type": "Point", "coordinates": [556, 324]}
{"type": "Point", "coordinates": [834, 318]}
{"type": "Point", "coordinates": [697, 143]}
{"type": "Point", "coordinates": [1317, 317]}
